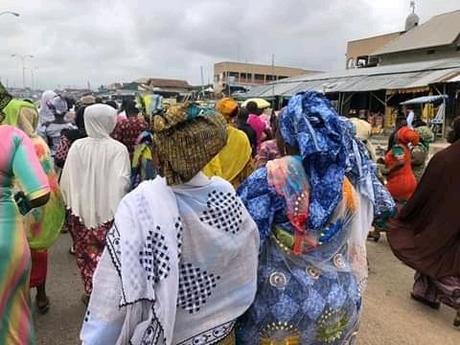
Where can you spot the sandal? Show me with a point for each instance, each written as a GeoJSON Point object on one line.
{"type": "Point", "coordinates": [42, 306]}
{"type": "Point", "coordinates": [432, 305]}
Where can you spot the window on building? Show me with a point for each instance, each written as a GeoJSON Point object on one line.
{"type": "Point", "coordinates": [233, 74]}
{"type": "Point", "coordinates": [282, 77]}
{"type": "Point", "coordinates": [259, 77]}
{"type": "Point", "coordinates": [430, 52]}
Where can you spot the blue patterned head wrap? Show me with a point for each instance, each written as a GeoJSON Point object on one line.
{"type": "Point", "coordinates": [311, 124]}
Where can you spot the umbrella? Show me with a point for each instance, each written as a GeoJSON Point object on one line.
{"type": "Point", "coordinates": [261, 103]}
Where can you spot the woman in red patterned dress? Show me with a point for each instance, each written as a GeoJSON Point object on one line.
{"type": "Point", "coordinates": [95, 177]}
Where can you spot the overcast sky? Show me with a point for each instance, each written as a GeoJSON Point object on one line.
{"type": "Point", "coordinates": [103, 41]}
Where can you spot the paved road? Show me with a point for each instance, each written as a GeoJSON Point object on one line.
{"type": "Point", "coordinates": [390, 317]}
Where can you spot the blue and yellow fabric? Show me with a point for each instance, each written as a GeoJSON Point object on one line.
{"type": "Point", "coordinates": [308, 293]}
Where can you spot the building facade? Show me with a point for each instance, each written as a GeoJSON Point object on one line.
{"type": "Point", "coordinates": [245, 74]}
{"type": "Point", "coordinates": [438, 38]}
{"type": "Point", "coordinates": [359, 52]}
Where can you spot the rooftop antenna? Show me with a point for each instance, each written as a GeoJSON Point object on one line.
{"type": "Point", "coordinates": [412, 5]}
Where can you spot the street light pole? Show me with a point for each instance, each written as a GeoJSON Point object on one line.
{"type": "Point", "coordinates": [23, 60]}
{"type": "Point", "coordinates": [32, 76]}
{"type": "Point", "coordinates": [16, 14]}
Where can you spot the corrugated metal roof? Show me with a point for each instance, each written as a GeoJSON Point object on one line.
{"type": "Point", "coordinates": [391, 77]}
{"type": "Point", "coordinates": [440, 30]}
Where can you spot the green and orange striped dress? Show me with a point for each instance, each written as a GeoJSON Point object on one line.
{"type": "Point", "coordinates": [18, 164]}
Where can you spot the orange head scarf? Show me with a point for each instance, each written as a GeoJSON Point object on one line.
{"type": "Point", "coordinates": [227, 107]}
{"type": "Point", "coordinates": [407, 135]}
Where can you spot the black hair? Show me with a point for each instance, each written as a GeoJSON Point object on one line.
{"type": "Point", "coordinates": [80, 118]}
{"type": "Point", "coordinates": [129, 107]}
{"type": "Point", "coordinates": [252, 107]}
{"type": "Point", "coordinates": [113, 104]}
{"type": "Point", "coordinates": [242, 116]}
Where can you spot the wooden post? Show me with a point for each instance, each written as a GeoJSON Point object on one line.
{"type": "Point", "coordinates": [445, 112]}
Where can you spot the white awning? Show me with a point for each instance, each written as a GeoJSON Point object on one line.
{"type": "Point", "coordinates": [426, 99]}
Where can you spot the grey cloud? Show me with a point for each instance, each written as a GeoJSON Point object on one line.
{"type": "Point", "coordinates": [105, 41]}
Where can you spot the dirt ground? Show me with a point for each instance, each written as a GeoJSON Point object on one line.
{"type": "Point", "coordinates": [390, 316]}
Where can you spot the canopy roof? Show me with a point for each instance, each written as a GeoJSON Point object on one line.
{"type": "Point", "coordinates": [390, 77]}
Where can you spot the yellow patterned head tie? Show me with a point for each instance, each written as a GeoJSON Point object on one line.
{"type": "Point", "coordinates": [186, 138]}
{"type": "Point", "coordinates": [5, 98]}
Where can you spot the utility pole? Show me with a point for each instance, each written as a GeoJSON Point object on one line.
{"type": "Point", "coordinates": [23, 60]}
{"type": "Point", "coordinates": [32, 76]}
{"type": "Point", "coordinates": [202, 81]}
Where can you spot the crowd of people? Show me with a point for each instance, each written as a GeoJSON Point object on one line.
{"type": "Point", "coordinates": [224, 225]}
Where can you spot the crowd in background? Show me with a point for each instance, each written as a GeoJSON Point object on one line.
{"type": "Point", "coordinates": [233, 224]}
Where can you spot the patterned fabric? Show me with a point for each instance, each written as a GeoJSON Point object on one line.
{"type": "Point", "coordinates": [62, 151]}
{"type": "Point", "coordinates": [142, 165]}
{"type": "Point", "coordinates": [268, 151]}
{"type": "Point", "coordinates": [53, 132]}
{"type": "Point", "coordinates": [426, 134]}
{"type": "Point", "coordinates": [88, 244]}
{"type": "Point", "coordinates": [5, 98]}
{"type": "Point", "coordinates": [18, 162]}
{"type": "Point", "coordinates": [420, 152]}
{"type": "Point", "coordinates": [445, 290]}
{"type": "Point", "coordinates": [229, 340]}
{"type": "Point", "coordinates": [43, 224]}
{"type": "Point", "coordinates": [244, 174]}
{"type": "Point", "coordinates": [311, 297]}
{"type": "Point", "coordinates": [186, 140]}
{"type": "Point", "coordinates": [128, 130]}
{"type": "Point", "coordinates": [310, 124]}
{"type": "Point", "coordinates": [362, 172]}
{"type": "Point", "coordinates": [180, 267]}
{"type": "Point", "coordinates": [222, 335]}
{"type": "Point", "coordinates": [287, 177]}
